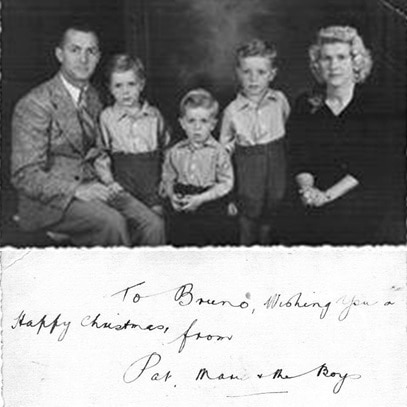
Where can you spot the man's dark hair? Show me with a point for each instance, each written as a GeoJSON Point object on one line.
{"type": "Point", "coordinates": [77, 25]}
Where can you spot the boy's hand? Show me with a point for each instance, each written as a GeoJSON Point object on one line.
{"type": "Point", "coordinates": [192, 203]}
{"type": "Point", "coordinates": [177, 202]}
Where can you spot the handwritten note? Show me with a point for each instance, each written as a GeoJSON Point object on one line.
{"type": "Point", "coordinates": [204, 328]}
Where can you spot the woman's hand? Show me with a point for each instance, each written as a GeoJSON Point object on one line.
{"type": "Point", "coordinates": [313, 197]}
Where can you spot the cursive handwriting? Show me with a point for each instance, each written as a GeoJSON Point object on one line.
{"type": "Point", "coordinates": [258, 394]}
{"type": "Point", "coordinates": [149, 363]}
{"type": "Point", "coordinates": [321, 371]}
{"type": "Point", "coordinates": [297, 302]}
{"type": "Point", "coordinates": [184, 296]}
{"type": "Point", "coordinates": [204, 374]}
{"type": "Point", "coordinates": [353, 302]}
{"type": "Point", "coordinates": [136, 297]}
{"type": "Point", "coordinates": [187, 335]}
{"type": "Point", "coordinates": [140, 366]}
{"type": "Point", "coordinates": [95, 323]}
{"type": "Point", "coordinates": [42, 323]}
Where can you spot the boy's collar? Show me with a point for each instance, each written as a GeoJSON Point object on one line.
{"type": "Point", "coordinates": [122, 112]}
{"type": "Point", "coordinates": [209, 142]}
{"type": "Point", "coordinates": [243, 101]}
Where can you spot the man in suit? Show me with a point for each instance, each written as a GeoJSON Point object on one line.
{"type": "Point", "coordinates": [55, 142]}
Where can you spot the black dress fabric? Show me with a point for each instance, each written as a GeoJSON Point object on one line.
{"type": "Point", "coordinates": [330, 147]}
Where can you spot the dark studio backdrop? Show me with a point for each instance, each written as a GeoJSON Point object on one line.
{"type": "Point", "coordinates": [190, 43]}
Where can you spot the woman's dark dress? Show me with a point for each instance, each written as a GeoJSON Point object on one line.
{"type": "Point", "coordinates": [331, 147]}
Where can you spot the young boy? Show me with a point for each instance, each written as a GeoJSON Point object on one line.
{"type": "Point", "coordinates": [253, 129]}
{"type": "Point", "coordinates": [197, 175]}
{"type": "Point", "coordinates": [133, 132]}
{"type": "Point", "coordinates": [133, 136]}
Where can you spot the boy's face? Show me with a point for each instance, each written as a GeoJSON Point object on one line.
{"type": "Point", "coordinates": [255, 74]}
{"type": "Point", "coordinates": [78, 55]}
{"type": "Point", "coordinates": [198, 123]}
{"type": "Point", "coordinates": [126, 88]}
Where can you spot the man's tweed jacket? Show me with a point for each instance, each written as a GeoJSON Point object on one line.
{"type": "Point", "coordinates": [48, 159]}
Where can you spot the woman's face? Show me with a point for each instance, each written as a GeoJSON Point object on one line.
{"type": "Point", "coordinates": [336, 65]}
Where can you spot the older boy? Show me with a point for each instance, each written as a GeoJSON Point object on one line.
{"type": "Point", "coordinates": [253, 129]}
{"type": "Point", "coordinates": [197, 174]}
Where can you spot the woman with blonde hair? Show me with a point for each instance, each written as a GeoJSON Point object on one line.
{"type": "Point", "coordinates": [335, 139]}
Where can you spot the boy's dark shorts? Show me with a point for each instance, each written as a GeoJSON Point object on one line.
{"type": "Point", "coordinates": [209, 225]}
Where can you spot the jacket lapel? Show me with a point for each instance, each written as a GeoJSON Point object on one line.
{"type": "Point", "coordinates": [66, 114]}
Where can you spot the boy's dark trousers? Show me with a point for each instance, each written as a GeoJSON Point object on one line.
{"type": "Point", "coordinates": [209, 225]}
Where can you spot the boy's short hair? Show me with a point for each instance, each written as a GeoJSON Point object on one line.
{"type": "Point", "coordinates": [199, 98]}
{"type": "Point", "coordinates": [257, 48]}
{"type": "Point", "coordinates": [124, 63]}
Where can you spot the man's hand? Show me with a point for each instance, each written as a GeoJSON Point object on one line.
{"type": "Point", "coordinates": [158, 209]}
{"type": "Point", "coordinates": [93, 191]}
{"type": "Point", "coordinates": [114, 188]}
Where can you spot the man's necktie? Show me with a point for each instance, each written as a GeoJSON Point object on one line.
{"type": "Point", "coordinates": [86, 122]}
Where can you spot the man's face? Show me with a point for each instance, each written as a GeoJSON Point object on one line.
{"type": "Point", "coordinates": [78, 55]}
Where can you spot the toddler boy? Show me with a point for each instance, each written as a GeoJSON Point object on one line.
{"type": "Point", "coordinates": [197, 175]}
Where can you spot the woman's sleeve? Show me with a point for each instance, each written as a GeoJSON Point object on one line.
{"type": "Point", "coordinates": [299, 148]}
{"type": "Point", "coordinates": [367, 154]}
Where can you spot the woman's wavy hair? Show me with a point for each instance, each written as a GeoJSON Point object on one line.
{"type": "Point", "coordinates": [361, 57]}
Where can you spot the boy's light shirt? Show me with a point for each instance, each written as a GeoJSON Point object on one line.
{"type": "Point", "coordinates": [248, 123]}
{"type": "Point", "coordinates": [127, 132]}
{"type": "Point", "coordinates": [206, 166]}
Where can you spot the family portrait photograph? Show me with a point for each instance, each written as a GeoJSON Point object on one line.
{"type": "Point", "coordinates": [203, 203]}
{"type": "Point", "coordinates": [203, 123]}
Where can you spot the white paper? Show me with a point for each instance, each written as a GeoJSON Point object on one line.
{"type": "Point", "coordinates": [215, 328]}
